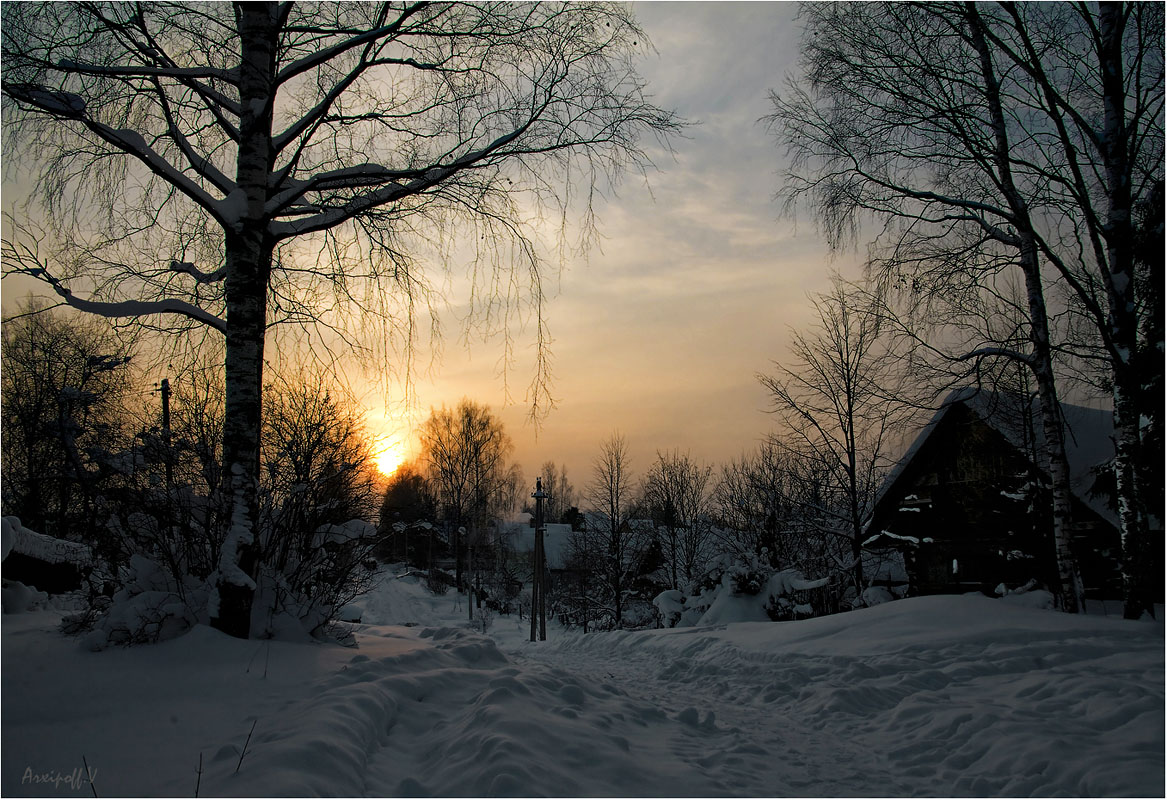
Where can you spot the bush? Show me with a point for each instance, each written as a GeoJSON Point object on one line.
{"type": "Point", "coordinates": [439, 581]}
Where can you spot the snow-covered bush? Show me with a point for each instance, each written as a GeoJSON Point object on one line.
{"type": "Point", "coordinates": [305, 593]}
{"type": "Point", "coordinates": [670, 605]}
{"type": "Point", "coordinates": [150, 607]}
{"type": "Point", "coordinates": [749, 575]}
{"type": "Point", "coordinates": [739, 589]}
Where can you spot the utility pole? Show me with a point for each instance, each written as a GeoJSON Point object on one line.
{"type": "Point", "coordinates": [166, 433]}
{"type": "Point", "coordinates": [538, 570]}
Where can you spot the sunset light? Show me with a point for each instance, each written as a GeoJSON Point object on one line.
{"type": "Point", "coordinates": [389, 457]}
{"type": "Point", "coordinates": [583, 399]}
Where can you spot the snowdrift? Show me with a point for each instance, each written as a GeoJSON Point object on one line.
{"type": "Point", "coordinates": [934, 696]}
{"type": "Point", "coordinates": [953, 696]}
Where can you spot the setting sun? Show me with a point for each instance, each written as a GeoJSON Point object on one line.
{"type": "Point", "coordinates": [389, 458]}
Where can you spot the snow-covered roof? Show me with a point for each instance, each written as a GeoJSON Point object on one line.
{"type": "Point", "coordinates": [1088, 432]}
{"type": "Point", "coordinates": [19, 539]}
{"type": "Point", "coordinates": [556, 541]}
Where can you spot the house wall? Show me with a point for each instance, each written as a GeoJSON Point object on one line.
{"type": "Point", "coordinates": [970, 499]}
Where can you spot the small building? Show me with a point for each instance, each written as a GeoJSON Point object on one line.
{"type": "Point", "coordinates": [519, 535]}
{"type": "Point", "coordinates": [969, 503]}
{"type": "Point", "coordinates": [50, 565]}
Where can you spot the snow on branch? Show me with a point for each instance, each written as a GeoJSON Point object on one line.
{"type": "Point", "coordinates": [71, 106]}
{"type": "Point", "coordinates": [65, 104]}
{"type": "Point", "coordinates": [362, 175]}
{"type": "Point", "coordinates": [183, 73]}
{"type": "Point", "coordinates": [129, 308]}
{"type": "Point", "coordinates": [187, 268]}
{"type": "Point", "coordinates": [1002, 352]}
{"type": "Point", "coordinates": [133, 143]}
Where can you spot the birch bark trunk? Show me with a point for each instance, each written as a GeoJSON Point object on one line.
{"type": "Point", "coordinates": [249, 249]}
{"type": "Point", "coordinates": [1041, 359]}
{"type": "Point", "coordinates": [1123, 320]}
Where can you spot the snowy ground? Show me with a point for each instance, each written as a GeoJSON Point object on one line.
{"type": "Point", "coordinates": [936, 696]}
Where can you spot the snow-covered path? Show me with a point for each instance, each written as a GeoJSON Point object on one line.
{"type": "Point", "coordinates": [939, 696]}
{"type": "Point", "coordinates": [943, 696]}
{"type": "Point", "coordinates": [734, 726]}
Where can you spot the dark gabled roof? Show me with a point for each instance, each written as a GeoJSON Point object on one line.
{"type": "Point", "coordinates": [1088, 431]}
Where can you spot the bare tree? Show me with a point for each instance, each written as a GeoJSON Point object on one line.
{"type": "Point", "coordinates": [1021, 131]}
{"type": "Point", "coordinates": [838, 401]}
{"type": "Point", "coordinates": [615, 549]}
{"type": "Point", "coordinates": [318, 495]}
{"type": "Point", "coordinates": [754, 504]}
{"type": "Point", "coordinates": [465, 451]}
{"type": "Point", "coordinates": [64, 385]}
{"type": "Point", "coordinates": [556, 484]}
{"type": "Point", "coordinates": [240, 166]}
{"type": "Point", "coordinates": [676, 490]}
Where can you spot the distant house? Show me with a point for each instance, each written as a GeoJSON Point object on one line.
{"type": "Point", "coordinates": [519, 535]}
{"type": "Point", "coordinates": [969, 505]}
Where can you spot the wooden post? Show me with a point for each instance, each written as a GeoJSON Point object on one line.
{"type": "Point", "coordinates": [538, 588]}
{"type": "Point", "coordinates": [542, 585]}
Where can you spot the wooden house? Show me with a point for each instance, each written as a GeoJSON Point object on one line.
{"type": "Point", "coordinates": [969, 502]}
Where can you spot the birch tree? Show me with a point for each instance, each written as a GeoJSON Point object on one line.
{"type": "Point", "coordinates": [1019, 130]}
{"type": "Point", "coordinates": [237, 166]}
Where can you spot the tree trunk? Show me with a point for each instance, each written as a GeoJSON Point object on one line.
{"type": "Point", "coordinates": [1118, 232]}
{"type": "Point", "coordinates": [1041, 360]}
{"type": "Point", "coordinates": [248, 267]}
{"type": "Point", "coordinates": [853, 502]}
{"type": "Point", "coordinates": [614, 563]}
{"type": "Point", "coordinates": [1051, 423]}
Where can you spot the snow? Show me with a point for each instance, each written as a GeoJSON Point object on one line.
{"type": "Point", "coordinates": [890, 535]}
{"type": "Point", "coordinates": [670, 601]}
{"type": "Point", "coordinates": [20, 539]}
{"type": "Point", "coordinates": [352, 530]}
{"type": "Point", "coordinates": [239, 535]}
{"type": "Point", "coordinates": [18, 598]}
{"type": "Point", "coordinates": [874, 595]}
{"type": "Point", "coordinates": [52, 100]}
{"type": "Point", "coordinates": [556, 540]}
{"type": "Point", "coordinates": [936, 696]}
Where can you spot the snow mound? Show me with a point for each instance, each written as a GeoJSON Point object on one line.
{"type": "Point", "coordinates": [18, 598]}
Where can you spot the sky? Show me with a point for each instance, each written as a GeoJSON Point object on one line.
{"type": "Point", "coordinates": [660, 335]}
{"type": "Point", "coordinates": [698, 278]}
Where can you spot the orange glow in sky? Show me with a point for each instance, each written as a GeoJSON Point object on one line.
{"type": "Point", "coordinates": [389, 457]}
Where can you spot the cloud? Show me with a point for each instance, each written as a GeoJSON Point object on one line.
{"type": "Point", "coordinates": [698, 278]}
